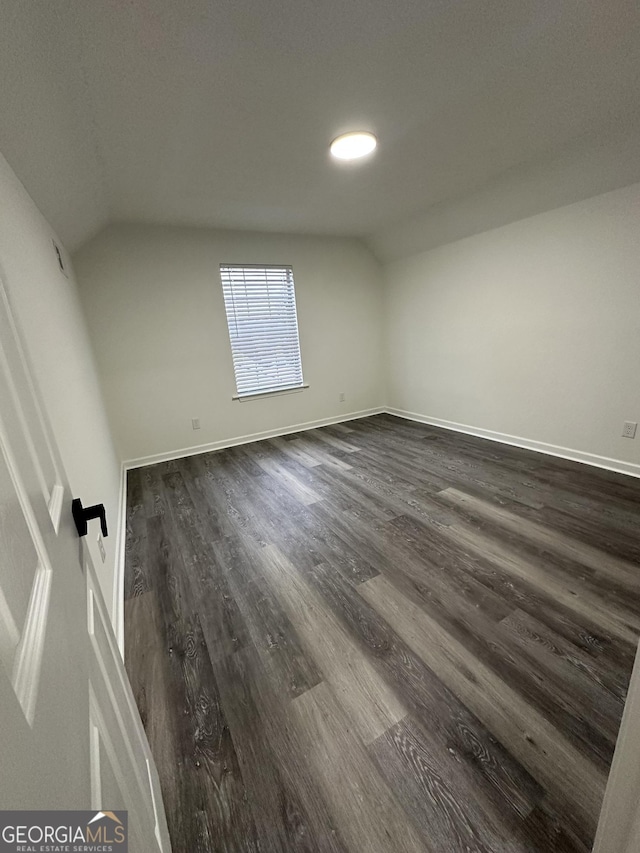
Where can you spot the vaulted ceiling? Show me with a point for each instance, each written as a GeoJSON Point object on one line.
{"type": "Point", "coordinates": [219, 112]}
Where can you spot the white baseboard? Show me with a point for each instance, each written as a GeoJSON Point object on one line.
{"type": "Point", "coordinates": [118, 577]}
{"type": "Point", "coordinates": [246, 439]}
{"type": "Point", "coordinates": [617, 465]}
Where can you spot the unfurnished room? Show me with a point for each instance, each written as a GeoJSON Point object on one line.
{"type": "Point", "coordinates": [319, 396]}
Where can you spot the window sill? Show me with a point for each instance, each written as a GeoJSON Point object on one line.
{"type": "Point", "coordinates": [258, 395]}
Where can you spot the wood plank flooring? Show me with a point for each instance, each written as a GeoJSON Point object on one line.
{"type": "Point", "coordinates": [381, 636]}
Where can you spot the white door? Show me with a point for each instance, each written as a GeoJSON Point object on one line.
{"type": "Point", "coordinates": [70, 734]}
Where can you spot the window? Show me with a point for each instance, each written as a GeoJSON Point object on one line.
{"type": "Point", "coordinates": [263, 328]}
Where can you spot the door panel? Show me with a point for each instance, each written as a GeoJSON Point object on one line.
{"type": "Point", "coordinates": [124, 753]}
{"type": "Point", "coordinates": [25, 576]}
{"type": "Point", "coordinates": [18, 565]}
{"type": "Point", "coordinates": [25, 418]}
{"type": "Point", "coordinates": [44, 658]}
{"type": "Point", "coordinates": [70, 734]}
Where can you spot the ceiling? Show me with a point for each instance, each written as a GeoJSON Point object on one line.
{"type": "Point", "coordinates": [220, 112]}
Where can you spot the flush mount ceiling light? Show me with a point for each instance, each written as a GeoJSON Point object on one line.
{"type": "Point", "coordinates": [351, 146]}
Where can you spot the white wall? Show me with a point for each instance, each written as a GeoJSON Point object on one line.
{"type": "Point", "coordinates": [532, 329]}
{"type": "Point", "coordinates": [49, 313]}
{"type": "Point", "coordinates": [153, 300]}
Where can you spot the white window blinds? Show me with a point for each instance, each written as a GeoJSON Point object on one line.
{"type": "Point", "coordinates": [263, 327]}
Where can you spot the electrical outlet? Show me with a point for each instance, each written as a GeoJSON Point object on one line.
{"type": "Point", "coordinates": [195, 423]}
{"type": "Point", "coordinates": [629, 429]}
{"type": "Point", "coordinates": [343, 396]}
{"type": "Point", "coordinates": [101, 548]}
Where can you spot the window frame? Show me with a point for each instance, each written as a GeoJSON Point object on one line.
{"type": "Point", "coordinates": [287, 278]}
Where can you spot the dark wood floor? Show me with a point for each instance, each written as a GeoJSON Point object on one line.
{"type": "Point", "coordinates": [381, 636]}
